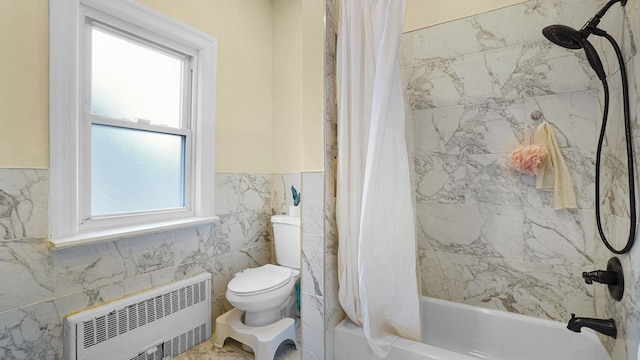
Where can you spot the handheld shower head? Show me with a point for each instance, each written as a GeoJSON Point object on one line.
{"type": "Point", "coordinates": [564, 36]}
{"type": "Point", "coordinates": [570, 38]}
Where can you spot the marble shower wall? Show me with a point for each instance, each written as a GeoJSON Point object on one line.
{"type": "Point", "coordinates": [623, 25]}
{"type": "Point", "coordinates": [321, 311]}
{"type": "Point", "coordinates": [40, 286]}
{"type": "Point", "coordinates": [486, 236]}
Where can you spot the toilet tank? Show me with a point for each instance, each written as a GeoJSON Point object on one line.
{"type": "Point", "coordinates": [286, 240]}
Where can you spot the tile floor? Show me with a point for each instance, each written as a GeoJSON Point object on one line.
{"type": "Point", "coordinates": [232, 350]}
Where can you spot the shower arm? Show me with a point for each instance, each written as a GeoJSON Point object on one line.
{"type": "Point", "coordinates": [595, 20]}
{"type": "Point", "coordinates": [627, 124]}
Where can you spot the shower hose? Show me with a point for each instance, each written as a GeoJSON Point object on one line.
{"type": "Point", "coordinates": [630, 164]}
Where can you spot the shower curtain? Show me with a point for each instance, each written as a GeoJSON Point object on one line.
{"type": "Point", "coordinates": [374, 211]}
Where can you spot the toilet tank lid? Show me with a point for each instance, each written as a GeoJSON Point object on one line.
{"type": "Point", "coordinates": [286, 219]}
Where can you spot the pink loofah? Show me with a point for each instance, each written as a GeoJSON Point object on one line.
{"type": "Point", "coordinates": [528, 159]}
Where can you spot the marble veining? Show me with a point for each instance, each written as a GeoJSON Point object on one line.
{"type": "Point", "coordinates": [23, 203]}
{"type": "Point", "coordinates": [532, 69]}
{"type": "Point", "coordinates": [488, 232]}
{"type": "Point", "coordinates": [27, 268]}
{"type": "Point", "coordinates": [494, 182]}
{"type": "Point", "coordinates": [312, 326]}
{"type": "Point", "coordinates": [559, 237]}
{"type": "Point", "coordinates": [281, 197]}
{"type": "Point", "coordinates": [440, 178]}
{"type": "Point", "coordinates": [572, 117]}
{"type": "Point", "coordinates": [476, 33]}
{"type": "Point", "coordinates": [32, 332]}
{"type": "Point", "coordinates": [436, 83]}
{"type": "Point", "coordinates": [312, 264]}
{"type": "Point", "coordinates": [242, 192]}
{"type": "Point", "coordinates": [527, 288]}
{"type": "Point", "coordinates": [225, 266]}
{"type": "Point", "coordinates": [541, 13]}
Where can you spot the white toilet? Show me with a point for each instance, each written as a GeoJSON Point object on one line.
{"type": "Point", "coordinates": [265, 298]}
{"type": "Point", "coordinates": [267, 294]}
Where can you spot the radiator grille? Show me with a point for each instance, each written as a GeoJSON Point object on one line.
{"type": "Point", "coordinates": [133, 316]}
{"type": "Point", "coordinates": [177, 345]}
{"type": "Point", "coordinates": [152, 325]}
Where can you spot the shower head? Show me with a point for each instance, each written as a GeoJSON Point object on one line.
{"type": "Point", "coordinates": [564, 36]}
{"type": "Point", "coordinates": [570, 38]}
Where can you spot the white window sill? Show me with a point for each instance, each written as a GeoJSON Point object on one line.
{"type": "Point", "coordinates": [106, 235]}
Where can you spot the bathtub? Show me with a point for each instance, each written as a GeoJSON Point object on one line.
{"type": "Point", "coordinates": [453, 331]}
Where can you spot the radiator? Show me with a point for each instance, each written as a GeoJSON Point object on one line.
{"type": "Point", "coordinates": [157, 324]}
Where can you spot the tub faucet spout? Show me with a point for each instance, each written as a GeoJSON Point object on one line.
{"type": "Point", "coordinates": [603, 326]}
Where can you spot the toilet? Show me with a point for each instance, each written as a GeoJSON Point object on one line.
{"type": "Point", "coordinates": [265, 298]}
{"type": "Point", "coordinates": [267, 293]}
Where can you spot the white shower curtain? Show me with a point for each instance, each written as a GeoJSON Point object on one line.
{"type": "Point", "coordinates": [377, 250]}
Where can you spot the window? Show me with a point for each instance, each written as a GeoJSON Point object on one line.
{"type": "Point", "coordinates": [131, 121]}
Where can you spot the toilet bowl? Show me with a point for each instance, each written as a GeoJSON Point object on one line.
{"type": "Point", "coordinates": [267, 293]}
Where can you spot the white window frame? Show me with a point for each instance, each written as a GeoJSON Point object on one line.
{"type": "Point", "coordinates": [70, 123]}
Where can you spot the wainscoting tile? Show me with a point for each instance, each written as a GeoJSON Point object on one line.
{"type": "Point", "coordinates": [281, 197]}
{"type": "Point", "coordinates": [26, 266]}
{"type": "Point", "coordinates": [244, 229]}
{"type": "Point", "coordinates": [312, 202]}
{"type": "Point", "coordinates": [24, 203]}
{"type": "Point", "coordinates": [88, 267]}
{"type": "Point", "coordinates": [225, 266]}
{"type": "Point", "coordinates": [312, 264]}
{"type": "Point", "coordinates": [148, 253]}
{"type": "Point", "coordinates": [242, 192]}
{"type": "Point", "coordinates": [32, 332]}
{"type": "Point", "coordinates": [312, 326]}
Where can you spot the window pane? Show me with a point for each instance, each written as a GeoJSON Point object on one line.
{"type": "Point", "coordinates": [134, 170]}
{"type": "Point", "coordinates": [132, 81]}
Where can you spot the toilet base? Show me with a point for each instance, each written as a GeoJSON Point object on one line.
{"type": "Point", "coordinates": [264, 340]}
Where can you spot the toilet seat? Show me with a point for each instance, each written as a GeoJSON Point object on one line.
{"type": "Point", "coordinates": [259, 280]}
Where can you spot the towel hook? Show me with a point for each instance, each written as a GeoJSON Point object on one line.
{"type": "Point", "coordinates": [536, 115]}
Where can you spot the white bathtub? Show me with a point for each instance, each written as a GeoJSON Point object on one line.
{"type": "Point", "coordinates": [453, 331]}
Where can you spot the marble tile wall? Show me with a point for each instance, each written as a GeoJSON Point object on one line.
{"type": "Point", "coordinates": [40, 286]}
{"type": "Point", "coordinates": [486, 236]}
{"type": "Point", "coordinates": [623, 24]}
{"type": "Point", "coordinates": [333, 313]}
{"type": "Point", "coordinates": [321, 311]}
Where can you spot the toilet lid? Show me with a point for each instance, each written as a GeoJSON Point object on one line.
{"type": "Point", "coordinates": [258, 280]}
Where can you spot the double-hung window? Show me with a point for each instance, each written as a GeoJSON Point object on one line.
{"type": "Point", "coordinates": [131, 121]}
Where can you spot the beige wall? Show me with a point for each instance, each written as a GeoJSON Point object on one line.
{"type": "Point", "coordinates": [313, 39]}
{"type": "Point", "coordinates": [244, 99]}
{"type": "Point", "coordinates": [287, 86]}
{"type": "Point", "coordinates": [24, 83]}
{"type": "Point", "coordinates": [423, 13]}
